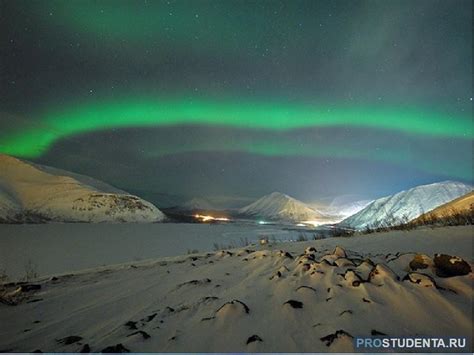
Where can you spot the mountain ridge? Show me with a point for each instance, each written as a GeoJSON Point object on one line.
{"type": "Point", "coordinates": [406, 205]}
{"type": "Point", "coordinates": [33, 193]}
{"type": "Point", "coordinates": [279, 206]}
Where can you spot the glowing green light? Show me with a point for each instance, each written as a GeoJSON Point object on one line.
{"type": "Point", "coordinates": [276, 116]}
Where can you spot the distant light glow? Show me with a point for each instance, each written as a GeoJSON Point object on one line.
{"type": "Point", "coordinates": [207, 218]}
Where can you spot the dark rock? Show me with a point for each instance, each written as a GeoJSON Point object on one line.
{"type": "Point", "coordinates": [294, 303]}
{"type": "Point", "coordinates": [145, 335]}
{"type": "Point", "coordinates": [346, 311]}
{"type": "Point", "coordinates": [118, 348]}
{"type": "Point", "coordinates": [419, 262]}
{"type": "Point", "coordinates": [329, 339]}
{"type": "Point", "coordinates": [29, 287]}
{"type": "Point", "coordinates": [306, 287]}
{"type": "Point", "coordinates": [449, 266]}
{"type": "Point", "coordinates": [420, 279]}
{"type": "Point", "coordinates": [35, 300]}
{"type": "Point", "coordinates": [85, 349]}
{"type": "Point", "coordinates": [376, 333]}
{"type": "Point", "coordinates": [253, 338]}
{"type": "Point", "coordinates": [131, 325]}
{"type": "Point", "coordinates": [195, 282]}
{"type": "Point", "coordinates": [246, 308]}
{"type": "Point", "coordinates": [366, 300]}
{"type": "Point", "coordinates": [150, 317]}
{"type": "Point", "coordinates": [69, 340]}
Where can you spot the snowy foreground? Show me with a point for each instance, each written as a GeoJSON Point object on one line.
{"type": "Point", "coordinates": [280, 298]}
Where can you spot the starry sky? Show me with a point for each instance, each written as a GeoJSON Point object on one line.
{"type": "Point", "coordinates": [236, 99]}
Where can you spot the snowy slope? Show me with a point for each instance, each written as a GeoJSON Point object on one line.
{"type": "Point", "coordinates": [9, 206]}
{"type": "Point", "coordinates": [406, 205]}
{"type": "Point", "coordinates": [30, 193]}
{"type": "Point", "coordinates": [463, 204]}
{"type": "Point", "coordinates": [278, 206]}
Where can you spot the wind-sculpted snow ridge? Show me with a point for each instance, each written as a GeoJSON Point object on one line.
{"type": "Point", "coordinates": [278, 206]}
{"type": "Point", "coordinates": [305, 298]}
{"type": "Point", "coordinates": [31, 193]}
{"type": "Point", "coordinates": [405, 206]}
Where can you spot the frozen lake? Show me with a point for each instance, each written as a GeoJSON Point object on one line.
{"type": "Point", "coordinates": [61, 248]}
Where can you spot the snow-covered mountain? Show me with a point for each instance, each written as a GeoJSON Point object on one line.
{"type": "Point", "coordinates": [197, 203]}
{"type": "Point", "coordinates": [344, 210]}
{"type": "Point", "coordinates": [30, 192]}
{"type": "Point", "coordinates": [461, 205]}
{"type": "Point", "coordinates": [406, 205]}
{"type": "Point", "coordinates": [278, 206]}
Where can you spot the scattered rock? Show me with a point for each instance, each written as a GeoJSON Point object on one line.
{"type": "Point", "coordinates": [376, 333]}
{"type": "Point", "coordinates": [69, 340]}
{"type": "Point", "coordinates": [253, 338]}
{"type": "Point", "coordinates": [285, 254]}
{"type": "Point", "coordinates": [420, 279]}
{"type": "Point", "coordinates": [380, 274]}
{"type": "Point", "coordinates": [195, 282]}
{"type": "Point", "coordinates": [131, 325]}
{"type": "Point", "coordinates": [338, 251]}
{"type": "Point", "coordinates": [118, 348]}
{"type": "Point", "coordinates": [366, 300]}
{"type": "Point", "coordinates": [346, 311]}
{"type": "Point", "coordinates": [234, 306]}
{"type": "Point", "coordinates": [294, 303]}
{"type": "Point", "coordinates": [341, 262]}
{"type": "Point", "coordinates": [420, 261]}
{"type": "Point", "coordinates": [306, 288]}
{"type": "Point", "coordinates": [145, 335]}
{"type": "Point", "coordinates": [353, 278]}
{"type": "Point", "coordinates": [330, 338]}
{"type": "Point", "coordinates": [277, 275]}
{"type": "Point", "coordinates": [29, 287]}
{"type": "Point", "coordinates": [150, 317]}
{"type": "Point", "coordinates": [224, 253]}
{"type": "Point", "coordinates": [34, 300]}
{"type": "Point", "coordinates": [449, 266]}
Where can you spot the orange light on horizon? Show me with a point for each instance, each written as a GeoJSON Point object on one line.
{"type": "Point", "coordinates": [205, 218]}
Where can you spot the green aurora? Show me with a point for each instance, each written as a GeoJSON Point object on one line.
{"type": "Point", "coordinates": [89, 117]}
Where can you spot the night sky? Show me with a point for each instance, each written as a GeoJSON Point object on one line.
{"type": "Point", "coordinates": [316, 99]}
